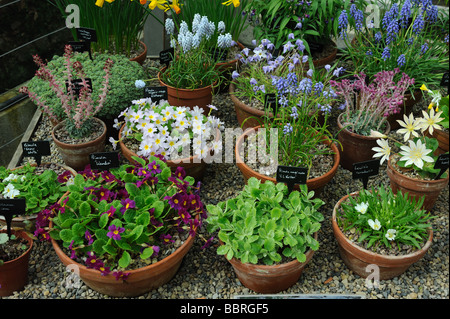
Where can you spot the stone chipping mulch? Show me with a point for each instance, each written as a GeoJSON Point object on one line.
{"type": "Point", "coordinates": [204, 274]}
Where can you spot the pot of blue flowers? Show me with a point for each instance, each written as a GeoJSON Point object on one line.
{"type": "Point", "coordinates": [267, 234]}
{"type": "Point", "coordinates": [192, 73]}
{"type": "Point", "coordinates": [383, 229]}
{"type": "Point", "coordinates": [127, 230]}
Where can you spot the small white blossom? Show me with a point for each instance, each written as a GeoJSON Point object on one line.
{"type": "Point", "coordinates": [10, 191]}
{"type": "Point", "coordinates": [384, 151]}
{"type": "Point", "coordinates": [362, 207]}
{"type": "Point", "coordinates": [375, 225]}
{"type": "Point", "coordinates": [390, 234]}
{"type": "Point", "coordinates": [415, 154]}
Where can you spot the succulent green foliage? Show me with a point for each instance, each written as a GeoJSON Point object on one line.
{"type": "Point", "coordinates": [264, 222]}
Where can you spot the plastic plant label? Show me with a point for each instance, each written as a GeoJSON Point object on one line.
{"type": "Point", "coordinates": [104, 161]}
{"type": "Point", "coordinates": [36, 149]}
{"type": "Point", "coordinates": [291, 175]}
{"type": "Point", "coordinates": [363, 170]}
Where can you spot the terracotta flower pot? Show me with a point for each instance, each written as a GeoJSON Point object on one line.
{"type": "Point", "coordinates": [443, 140]}
{"type": "Point", "coordinates": [416, 188]}
{"type": "Point", "coordinates": [270, 279]}
{"type": "Point", "coordinates": [28, 221]}
{"type": "Point", "coordinates": [139, 281]}
{"type": "Point", "coordinates": [200, 97]}
{"type": "Point", "coordinates": [14, 273]}
{"type": "Point", "coordinates": [358, 259]}
{"type": "Point", "coordinates": [320, 63]}
{"type": "Point", "coordinates": [142, 56]}
{"type": "Point", "coordinates": [315, 184]}
{"type": "Point", "coordinates": [77, 155]}
{"type": "Point", "coordinates": [406, 109]}
{"type": "Point", "coordinates": [193, 166]}
{"type": "Point", "coordinates": [355, 148]}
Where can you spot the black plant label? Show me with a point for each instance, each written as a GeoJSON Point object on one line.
{"type": "Point", "coordinates": [363, 170]}
{"type": "Point", "coordinates": [270, 102]}
{"type": "Point", "coordinates": [166, 56]}
{"type": "Point", "coordinates": [11, 207]}
{"type": "Point", "coordinates": [80, 46]}
{"type": "Point", "coordinates": [77, 85]}
{"type": "Point", "coordinates": [36, 149]}
{"type": "Point", "coordinates": [87, 34]}
{"type": "Point", "coordinates": [104, 161]}
{"type": "Point", "coordinates": [442, 164]}
{"type": "Point", "coordinates": [156, 93]}
{"type": "Point", "coordinates": [291, 175]}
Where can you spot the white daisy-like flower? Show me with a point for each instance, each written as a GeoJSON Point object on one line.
{"type": "Point", "coordinates": [362, 207]}
{"type": "Point", "coordinates": [390, 234]}
{"type": "Point", "coordinates": [415, 154]}
{"type": "Point", "coordinates": [410, 125]}
{"type": "Point", "coordinates": [113, 142]}
{"type": "Point", "coordinates": [384, 151]}
{"type": "Point", "coordinates": [10, 191]}
{"type": "Point", "coordinates": [375, 225]}
{"type": "Point", "coordinates": [429, 121]}
{"type": "Point", "coordinates": [11, 178]}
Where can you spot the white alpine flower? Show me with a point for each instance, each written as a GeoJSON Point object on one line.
{"type": "Point", "coordinates": [429, 121]}
{"type": "Point", "coordinates": [384, 151]}
{"type": "Point", "coordinates": [362, 207]}
{"type": "Point", "coordinates": [415, 154]}
{"type": "Point", "coordinates": [410, 126]}
{"type": "Point", "coordinates": [10, 191]}
{"type": "Point", "coordinates": [375, 225]}
{"type": "Point", "coordinates": [390, 234]}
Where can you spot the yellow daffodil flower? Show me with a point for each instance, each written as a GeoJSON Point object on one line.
{"type": "Point", "coordinates": [99, 3]}
{"type": "Point", "coordinates": [236, 3]}
{"type": "Point", "coordinates": [424, 88]}
{"type": "Point", "coordinates": [175, 6]}
{"type": "Point", "coordinates": [161, 4]}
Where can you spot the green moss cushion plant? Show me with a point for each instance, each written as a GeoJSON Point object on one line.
{"type": "Point", "coordinates": [122, 90]}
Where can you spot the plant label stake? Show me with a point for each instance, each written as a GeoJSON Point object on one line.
{"type": "Point", "coordinates": [36, 149]}
{"type": "Point", "coordinates": [10, 207]}
{"type": "Point", "coordinates": [104, 161]}
{"type": "Point", "coordinates": [87, 35]}
{"type": "Point", "coordinates": [442, 164]}
{"type": "Point", "coordinates": [77, 85]}
{"type": "Point", "coordinates": [80, 46]}
{"type": "Point", "coordinates": [165, 56]}
{"type": "Point", "coordinates": [270, 101]}
{"type": "Point", "coordinates": [365, 169]}
{"type": "Point", "coordinates": [291, 175]}
{"type": "Point", "coordinates": [156, 93]}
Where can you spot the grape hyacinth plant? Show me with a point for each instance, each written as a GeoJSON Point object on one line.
{"type": "Point", "coordinates": [408, 37]}
{"type": "Point", "coordinates": [110, 220]}
{"type": "Point", "coordinates": [170, 131]}
{"type": "Point", "coordinates": [79, 109]}
{"type": "Point", "coordinates": [367, 106]}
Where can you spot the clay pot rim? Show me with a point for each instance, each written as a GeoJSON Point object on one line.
{"type": "Point", "coordinates": [178, 162]}
{"type": "Point", "coordinates": [414, 180]}
{"type": "Point", "coordinates": [219, 64]}
{"type": "Point", "coordinates": [356, 135]}
{"type": "Point", "coordinates": [242, 105]}
{"type": "Point", "coordinates": [23, 234]}
{"type": "Point", "coordinates": [111, 279]}
{"type": "Point", "coordinates": [262, 269]}
{"type": "Point", "coordinates": [142, 55]}
{"type": "Point", "coordinates": [386, 260]}
{"type": "Point", "coordinates": [240, 162]}
{"type": "Point", "coordinates": [87, 144]}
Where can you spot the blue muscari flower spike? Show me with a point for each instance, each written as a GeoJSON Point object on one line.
{"type": "Point", "coordinates": [287, 128]}
{"type": "Point", "coordinates": [418, 24]}
{"type": "Point", "coordinates": [424, 48]}
{"type": "Point", "coordinates": [390, 15]}
{"type": "Point", "coordinates": [343, 23]}
{"type": "Point", "coordinates": [405, 13]}
{"type": "Point", "coordinates": [358, 16]}
{"type": "Point", "coordinates": [386, 54]}
{"type": "Point", "coordinates": [392, 31]}
{"type": "Point", "coordinates": [401, 60]}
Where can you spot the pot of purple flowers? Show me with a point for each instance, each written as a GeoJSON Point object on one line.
{"type": "Point", "coordinates": [127, 230]}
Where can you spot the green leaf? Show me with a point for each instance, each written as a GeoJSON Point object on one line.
{"type": "Point", "coordinates": [165, 173]}
{"type": "Point", "coordinates": [223, 249]}
{"type": "Point", "coordinates": [147, 253]}
{"type": "Point", "coordinates": [103, 221]}
{"type": "Point", "coordinates": [84, 209]}
{"type": "Point", "coordinates": [143, 219]}
{"type": "Point", "coordinates": [132, 189]}
{"type": "Point", "coordinates": [125, 260]}
{"type": "Point", "coordinates": [97, 245]}
{"type": "Point", "coordinates": [66, 235]}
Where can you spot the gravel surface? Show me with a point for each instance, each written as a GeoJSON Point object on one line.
{"type": "Point", "coordinates": [204, 274]}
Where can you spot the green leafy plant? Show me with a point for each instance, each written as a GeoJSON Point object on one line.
{"type": "Point", "coordinates": [124, 215]}
{"type": "Point", "coordinates": [122, 90]}
{"type": "Point", "coordinates": [311, 21]}
{"type": "Point", "coordinates": [264, 223]}
{"type": "Point", "coordinates": [382, 218]}
{"type": "Point", "coordinates": [39, 190]}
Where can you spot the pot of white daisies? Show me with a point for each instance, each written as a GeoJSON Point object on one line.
{"type": "Point", "coordinates": [182, 136]}
{"type": "Point", "coordinates": [412, 162]}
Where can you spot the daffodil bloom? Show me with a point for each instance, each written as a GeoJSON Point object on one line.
{"type": "Point", "coordinates": [415, 154]}
{"type": "Point", "coordinates": [375, 225]}
{"type": "Point", "coordinates": [424, 88]}
{"type": "Point", "coordinates": [99, 3]}
{"type": "Point", "coordinates": [410, 126]}
{"type": "Point", "coordinates": [175, 6]}
{"type": "Point", "coordinates": [161, 4]}
{"type": "Point", "coordinates": [362, 207]}
{"type": "Point", "coordinates": [384, 151]}
{"type": "Point", "coordinates": [390, 234]}
{"type": "Point", "coordinates": [236, 3]}
{"type": "Point", "coordinates": [429, 122]}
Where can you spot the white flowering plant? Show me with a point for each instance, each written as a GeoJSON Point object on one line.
{"type": "Point", "coordinates": [194, 62]}
{"type": "Point", "coordinates": [170, 131]}
{"type": "Point", "coordinates": [418, 153]}
{"type": "Point", "coordinates": [378, 217]}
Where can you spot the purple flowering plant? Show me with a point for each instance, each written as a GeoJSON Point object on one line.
{"type": "Point", "coordinates": [304, 98]}
{"type": "Point", "coordinates": [408, 36]}
{"type": "Point", "coordinates": [367, 106]}
{"type": "Point", "coordinates": [110, 220]}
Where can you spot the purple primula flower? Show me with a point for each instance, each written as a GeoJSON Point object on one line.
{"type": "Point", "coordinates": [88, 237]}
{"type": "Point", "coordinates": [110, 212]}
{"type": "Point", "coordinates": [154, 168]}
{"type": "Point", "coordinates": [156, 250]}
{"type": "Point", "coordinates": [207, 243]}
{"type": "Point", "coordinates": [92, 261]}
{"type": "Point", "coordinates": [120, 275]}
{"type": "Point", "coordinates": [166, 239]}
{"type": "Point", "coordinates": [114, 232]}
{"type": "Point", "coordinates": [127, 204]}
